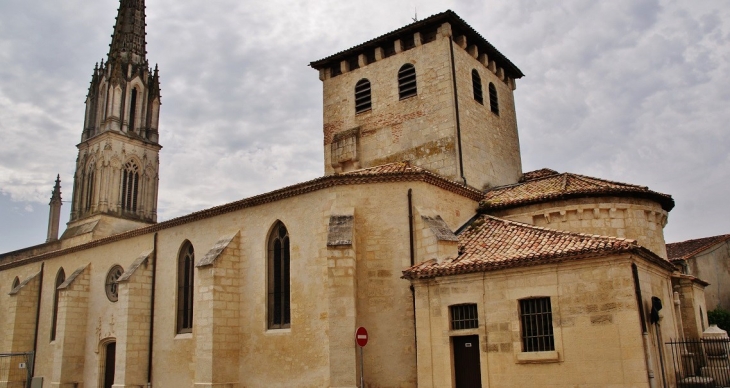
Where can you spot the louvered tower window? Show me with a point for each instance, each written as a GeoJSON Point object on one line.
{"type": "Point", "coordinates": [132, 109]}
{"type": "Point", "coordinates": [407, 81]}
{"type": "Point", "coordinates": [185, 280]}
{"type": "Point", "coordinates": [493, 102]}
{"type": "Point", "coordinates": [130, 184]}
{"type": "Point", "coordinates": [363, 102]}
{"type": "Point", "coordinates": [278, 278]}
{"type": "Point", "coordinates": [476, 82]}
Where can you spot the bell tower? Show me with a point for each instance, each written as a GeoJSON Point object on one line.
{"type": "Point", "coordinates": [116, 179]}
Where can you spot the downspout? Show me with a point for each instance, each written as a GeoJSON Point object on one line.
{"type": "Point", "coordinates": [152, 310]}
{"type": "Point", "coordinates": [456, 107]}
{"type": "Point", "coordinates": [644, 330]}
{"type": "Point", "coordinates": [37, 320]}
{"type": "Point", "coordinates": [413, 262]}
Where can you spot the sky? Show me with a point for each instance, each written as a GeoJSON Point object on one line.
{"type": "Point", "coordinates": [635, 91]}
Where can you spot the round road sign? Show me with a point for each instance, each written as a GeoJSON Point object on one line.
{"type": "Point", "coordinates": [361, 336]}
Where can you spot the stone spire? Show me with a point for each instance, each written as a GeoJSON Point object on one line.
{"type": "Point", "coordinates": [128, 40]}
{"type": "Point", "coordinates": [54, 217]}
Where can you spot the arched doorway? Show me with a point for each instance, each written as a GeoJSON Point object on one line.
{"type": "Point", "coordinates": [110, 350]}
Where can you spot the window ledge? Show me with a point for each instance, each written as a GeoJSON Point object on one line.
{"type": "Point", "coordinates": [537, 357]}
{"type": "Point", "coordinates": [278, 331]}
{"type": "Point", "coordinates": [181, 336]}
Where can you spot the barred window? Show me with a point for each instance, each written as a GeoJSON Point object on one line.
{"type": "Point", "coordinates": [185, 282]}
{"type": "Point", "coordinates": [278, 278]}
{"type": "Point", "coordinates": [363, 102]}
{"type": "Point", "coordinates": [493, 102]}
{"type": "Point", "coordinates": [476, 82]}
{"type": "Point", "coordinates": [60, 278]}
{"type": "Point", "coordinates": [537, 325]}
{"type": "Point", "coordinates": [464, 316]}
{"type": "Point", "coordinates": [407, 81]}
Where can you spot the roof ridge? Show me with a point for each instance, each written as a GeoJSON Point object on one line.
{"type": "Point", "coordinates": [586, 178]}
{"type": "Point", "coordinates": [712, 240]}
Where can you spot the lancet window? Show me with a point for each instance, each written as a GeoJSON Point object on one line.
{"type": "Point", "coordinates": [278, 278]}
{"type": "Point", "coordinates": [60, 278]}
{"type": "Point", "coordinates": [130, 186]}
{"type": "Point", "coordinates": [185, 279]}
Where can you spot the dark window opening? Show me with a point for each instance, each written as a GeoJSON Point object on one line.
{"type": "Point", "coordinates": [428, 36]}
{"type": "Point", "coordinates": [537, 325]}
{"type": "Point", "coordinates": [362, 96]}
{"type": "Point", "coordinates": [407, 42]}
{"type": "Point", "coordinates": [16, 283]}
{"type": "Point", "coordinates": [60, 278]}
{"type": "Point", "coordinates": [370, 56]}
{"type": "Point", "coordinates": [389, 49]}
{"type": "Point", "coordinates": [476, 82]}
{"type": "Point", "coordinates": [493, 102]}
{"type": "Point", "coordinates": [89, 189]}
{"type": "Point", "coordinates": [335, 70]}
{"type": "Point", "coordinates": [407, 81]}
{"type": "Point", "coordinates": [464, 317]}
{"type": "Point", "coordinates": [130, 186]}
{"type": "Point", "coordinates": [279, 276]}
{"type": "Point", "coordinates": [132, 110]}
{"type": "Point", "coordinates": [185, 278]}
{"type": "Point", "coordinates": [353, 62]}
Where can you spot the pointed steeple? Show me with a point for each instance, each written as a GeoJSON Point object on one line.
{"type": "Point", "coordinates": [54, 216]}
{"type": "Point", "coordinates": [128, 40]}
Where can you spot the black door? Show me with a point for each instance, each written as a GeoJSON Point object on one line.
{"type": "Point", "coordinates": [466, 362]}
{"type": "Point", "coordinates": [111, 350]}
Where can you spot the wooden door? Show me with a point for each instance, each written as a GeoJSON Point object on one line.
{"type": "Point", "coordinates": [109, 366]}
{"type": "Point", "coordinates": [467, 372]}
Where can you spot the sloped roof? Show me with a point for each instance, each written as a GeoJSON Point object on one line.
{"type": "Point", "coordinates": [541, 173]}
{"type": "Point", "coordinates": [492, 243]}
{"type": "Point", "coordinates": [544, 185]}
{"type": "Point", "coordinates": [459, 26]}
{"type": "Point", "coordinates": [685, 249]}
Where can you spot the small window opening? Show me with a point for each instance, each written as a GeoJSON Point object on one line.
{"type": "Point", "coordinates": [278, 278]}
{"type": "Point", "coordinates": [89, 189]}
{"type": "Point", "coordinates": [185, 279]}
{"type": "Point", "coordinates": [370, 55]}
{"type": "Point", "coordinates": [389, 49]}
{"type": "Point", "coordinates": [16, 283]}
{"type": "Point", "coordinates": [407, 81]}
{"type": "Point", "coordinates": [60, 278]}
{"type": "Point", "coordinates": [493, 102]}
{"type": "Point", "coordinates": [407, 42]}
{"type": "Point", "coordinates": [132, 109]}
{"type": "Point", "coordinates": [362, 96]}
{"type": "Point", "coordinates": [476, 82]}
{"type": "Point", "coordinates": [464, 316]}
{"type": "Point", "coordinates": [537, 325]}
{"type": "Point", "coordinates": [353, 62]}
{"type": "Point", "coordinates": [428, 35]}
{"type": "Point", "coordinates": [335, 70]}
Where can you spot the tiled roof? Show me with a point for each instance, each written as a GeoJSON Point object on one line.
{"type": "Point", "coordinates": [685, 249]}
{"type": "Point", "coordinates": [458, 25]}
{"type": "Point", "coordinates": [541, 173]}
{"type": "Point", "coordinates": [394, 172]}
{"type": "Point", "coordinates": [492, 243]}
{"type": "Point", "coordinates": [551, 187]}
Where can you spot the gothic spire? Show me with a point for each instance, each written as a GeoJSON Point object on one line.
{"type": "Point", "coordinates": [128, 41]}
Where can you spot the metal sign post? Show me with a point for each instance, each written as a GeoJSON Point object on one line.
{"type": "Point", "coordinates": [361, 337]}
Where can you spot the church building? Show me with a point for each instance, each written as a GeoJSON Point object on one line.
{"type": "Point", "coordinates": [465, 270]}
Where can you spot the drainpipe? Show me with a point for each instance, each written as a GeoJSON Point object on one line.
{"type": "Point", "coordinates": [37, 319]}
{"type": "Point", "coordinates": [152, 310]}
{"type": "Point", "coordinates": [456, 107]}
{"type": "Point", "coordinates": [413, 262]}
{"type": "Point", "coordinates": [644, 330]}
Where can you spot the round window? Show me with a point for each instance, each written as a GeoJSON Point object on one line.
{"type": "Point", "coordinates": [112, 288]}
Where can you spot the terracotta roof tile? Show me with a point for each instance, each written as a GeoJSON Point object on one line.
{"type": "Point", "coordinates": [492, 243]}
{"type": "Point", "coordinates": [685, 249]}
{"type": "Point", "coordinates": [552, 187]}
{"type": "Point", "coordinates": [541, 173]}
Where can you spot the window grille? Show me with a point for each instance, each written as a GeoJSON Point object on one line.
{"type": "Point", "coordinates": [537, 325]}
{"type": "Point", "coordinates": [130, 184]}
{"type": "Point", "coordinates": [493, 102]}
{"type": "Point", "coordinates": [407, 81]}
{"type": "Point", "coordinates": [185, 279]}
{"type": "Point", "coordinates": [464, 316]}
{"type": "Point", "coordinates": [60, 278]}
{"type": "Point", "coordinates": [476, 82]}
{"type": "Point", "coordinates": [278, 275]}
{"type": "Point", "coordinates": [110, 286]}
{"type": "Point", "coordinates": [362, 96]}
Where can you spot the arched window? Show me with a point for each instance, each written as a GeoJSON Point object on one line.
{"type": "Point", "coordinates": [16, 283]}
{"type": "Point", "coordinates": [476, 82]}
{"type": "Point", "coordinates": [278, 278]}
{"type": "Point", "coordinates": [185, 278]}
{"type": "Point", "coordinates": [407, 81]}
{"type": "Point", "coordinates": [130, 183]}
{"type": "Point", "coordinates": [493, 102]}
{"type": "Point", "coordinates": [132, 109]}
{"type": "Point", "coordinates": [362, 96]}
{"type": "Point", "coordinates": [60, 278]}
{"type": "Point", "coordinates": [89, 189]}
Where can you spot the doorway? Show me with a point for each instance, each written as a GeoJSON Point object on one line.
{"type": "Point", "coordinates": [467, 370]}
{"type": "Point", "coordinates": [110, 351]}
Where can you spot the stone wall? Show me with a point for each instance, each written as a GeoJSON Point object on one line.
{"type": "Point", "coordinates": [713, 266]}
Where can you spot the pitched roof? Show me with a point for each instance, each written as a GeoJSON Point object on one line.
{"type": "Point", "coordinates": [393, 172]}
{"type": "Point", "coordinates": [542, 186]}
{"type": "Point", "coordinates": [459, 27]}
{"type": "Point", "coordinates": [491, 243]}
{"type": "Point", "coordinates": [685, 249]}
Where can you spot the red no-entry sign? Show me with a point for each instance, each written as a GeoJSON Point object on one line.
{"type": "Point", "coordinates": [361, 336]}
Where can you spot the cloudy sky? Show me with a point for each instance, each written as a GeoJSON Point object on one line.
{"type": "Point", "coordinates": [636, 91]}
